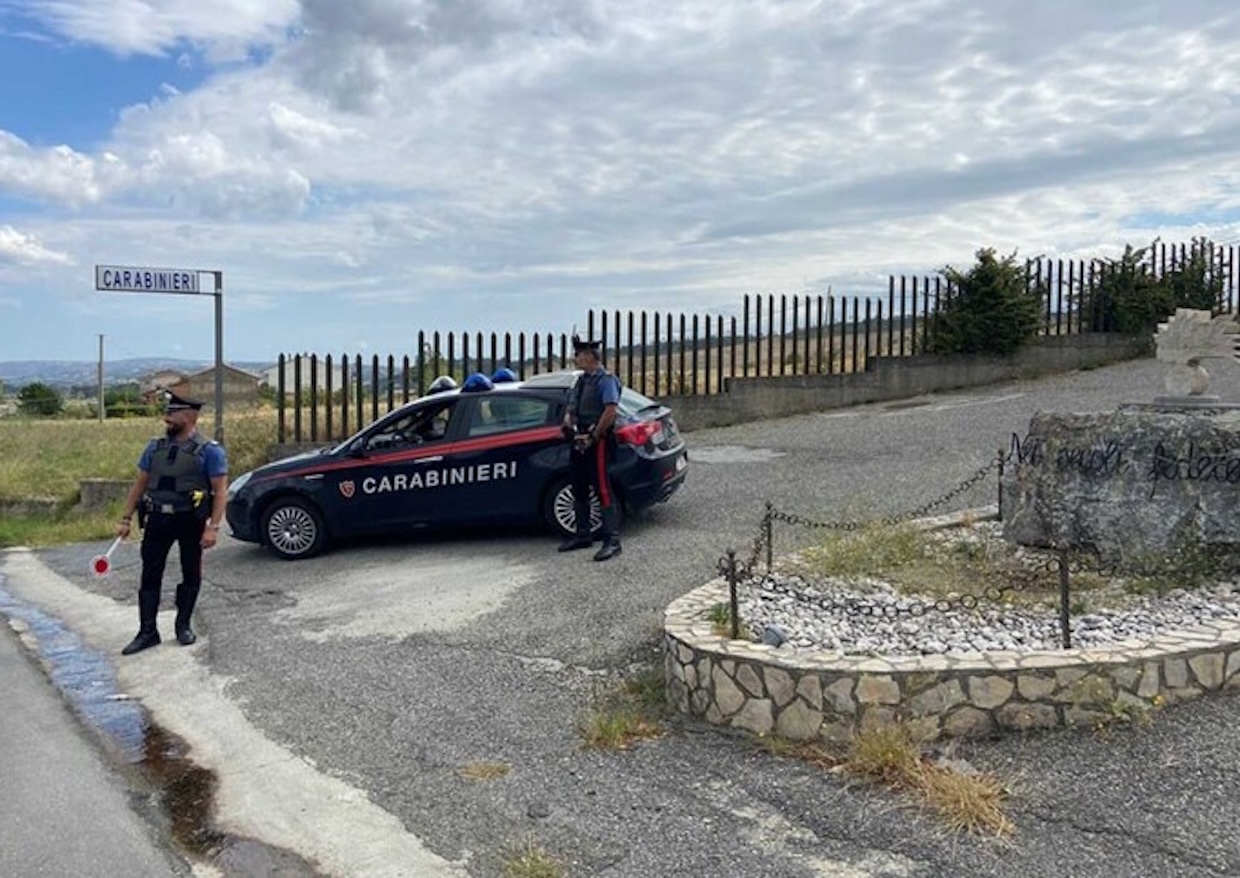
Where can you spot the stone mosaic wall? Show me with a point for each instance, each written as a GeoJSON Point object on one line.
{"type": "Point", "coordinates": [803, 696]}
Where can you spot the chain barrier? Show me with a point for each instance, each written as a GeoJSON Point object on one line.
{"type": "Point", "coordinates": [899, 518]}
{"type": "Point", "coordinates": [1060, 563]}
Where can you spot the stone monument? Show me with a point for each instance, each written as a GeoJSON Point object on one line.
{"type": "Point", "coordinates": [1145, 482]}
{"type": "Point", "coordinates": [1188, 337]}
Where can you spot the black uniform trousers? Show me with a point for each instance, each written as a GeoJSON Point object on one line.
{"type": "Point", "coordinates": [161, 531]}
{"type": "Point", "coordinates": [588, 469]}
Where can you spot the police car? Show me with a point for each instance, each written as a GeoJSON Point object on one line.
{"type": "Point", "coordinates": [487, 453]}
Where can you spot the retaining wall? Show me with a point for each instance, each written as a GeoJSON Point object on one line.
{"type": "Point", "coordinates": [888, 378]}
{"type": "Point", "coordinates": [802, 695]}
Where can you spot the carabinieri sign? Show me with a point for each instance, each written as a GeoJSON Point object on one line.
{"type": "Point", "coordinates": [131, 279]}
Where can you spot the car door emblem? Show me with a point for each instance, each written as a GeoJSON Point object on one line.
{"type": "Point", "coordinates": [347, 488]}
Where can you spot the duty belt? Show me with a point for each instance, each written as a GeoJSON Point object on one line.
{"type": "Point", "coordinates": [167, 508]}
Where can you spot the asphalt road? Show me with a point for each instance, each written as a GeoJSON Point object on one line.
{"type": "Point", "coordinates": [384, 668]}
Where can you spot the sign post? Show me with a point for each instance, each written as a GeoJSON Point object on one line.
{"type": "Point", "coordinates": [181, 281]}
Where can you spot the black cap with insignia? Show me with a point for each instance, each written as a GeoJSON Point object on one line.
{"type": "Point", "coordinates": [174, 403]}
{"type": "Point", "coordinates": [579, 345]}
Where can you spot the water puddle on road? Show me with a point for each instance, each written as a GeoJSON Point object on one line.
{"type": "Point", "coordinates": [183, 791]}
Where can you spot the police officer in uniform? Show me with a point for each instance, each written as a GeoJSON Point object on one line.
{"type": "Point", "coordinates": [180, 495]}
{"type": "Point", "coordinates": [588, 421]}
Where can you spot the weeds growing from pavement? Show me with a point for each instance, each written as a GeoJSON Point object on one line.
{"type": "Point", "coordinates": [890, 757]}
{"type": "Point", "coordinates": [626, 714]}
{"type": "Point", "coordinates": [530, 860]}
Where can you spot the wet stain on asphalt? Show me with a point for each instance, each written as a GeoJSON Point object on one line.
{"type": "Point", "coordinates": [183, 791]}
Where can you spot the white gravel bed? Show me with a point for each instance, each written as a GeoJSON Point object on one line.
{"type": "Point", "coordinates": [871, 618]}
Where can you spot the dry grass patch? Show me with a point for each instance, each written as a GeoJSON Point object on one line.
{"type": "Point", "coordinates": [966, 802]}
{"type": "Point", "coordinates": [890, 757]}
{"type": "Point", "coordinates": [484, 770]}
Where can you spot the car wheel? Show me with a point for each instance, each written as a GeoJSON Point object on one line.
{"type": "Point", "coordinates": [560, 513]}
{"type": "Point", "coordinates": [293, 528]}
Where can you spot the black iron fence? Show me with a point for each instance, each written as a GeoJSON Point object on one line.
{"type": "Point", "coordinates": [326, 398]}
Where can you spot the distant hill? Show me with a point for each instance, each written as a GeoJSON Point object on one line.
{"type": "Point", "coordinates": [68, 374]}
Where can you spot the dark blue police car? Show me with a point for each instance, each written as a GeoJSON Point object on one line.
{"type": "Point", "coordinates": [490, 452]}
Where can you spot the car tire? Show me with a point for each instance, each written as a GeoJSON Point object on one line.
{"type": "Point", "coordinates": [293, 529]}
{"type": "Point", "coordinates": [560, 515]}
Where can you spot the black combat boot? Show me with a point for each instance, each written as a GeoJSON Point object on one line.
{"type": "Point", "coordinates": [148, 634]}
{"type": "Point", "coordinates": [611, 535]}
{"type": "Point", "coordinates": [582, 539]}
{"type": "Point", "coordinates": [187, 596]}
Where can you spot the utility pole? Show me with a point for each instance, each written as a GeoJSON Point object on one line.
{"type": "Point", "coordinates": [100, 376]}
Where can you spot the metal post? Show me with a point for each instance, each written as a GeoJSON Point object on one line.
{"type": "Point", "coordinates": [219, 356]}
{"type": "Point", "coordinates": [735, 619]}
{"type": "Point", "coordinates": [769, 535]}
{"type": "Point", "coordinates": [100, 376]}
{"type": "Point", "coordinates": [1065, 626]}
{"type": "Point", "coordinates": [1002, 461]}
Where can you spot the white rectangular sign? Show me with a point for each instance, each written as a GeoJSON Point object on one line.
{"type": "Point", "coordinates": [133, 279]}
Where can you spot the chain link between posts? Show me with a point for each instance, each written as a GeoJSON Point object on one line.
{"type": "Point", "coordinates": [736, 571]}
{"type": "Point", "coordinates": [1061, 562]}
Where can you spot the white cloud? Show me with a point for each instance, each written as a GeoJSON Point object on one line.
{"type": "Point", "coordinates": [25, 249]}
{"type": "Point", "coordinates": [226, 28]}
{"type": "Point", "coordinates": [56, 173]}
{"type": "Point", "coordinates": [513, 160]}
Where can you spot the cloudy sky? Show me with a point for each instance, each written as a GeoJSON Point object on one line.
{"type": "Point", "coordinates": [361, 170]}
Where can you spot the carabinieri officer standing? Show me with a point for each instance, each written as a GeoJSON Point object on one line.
{"type": "Point", "coordinates": [180, 495]}
{"type": "Point", "coordinates": [590, 416]}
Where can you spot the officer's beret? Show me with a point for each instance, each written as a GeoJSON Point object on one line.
{"type": "Point", "coordinates": [579, 345]}
{"type": "Point", "coordinates": [174, 403]}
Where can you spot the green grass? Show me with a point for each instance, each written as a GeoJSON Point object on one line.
{"type": "Point", "coordinates": [47, 458]}
{"type": "Point", "coordinates": [626, 714]}
{"type": "Point", "coordinates": [939, 564]}
{"type": "Point", "coordinates": [530, 860]}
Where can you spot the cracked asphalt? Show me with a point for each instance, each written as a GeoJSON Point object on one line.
{"type": "Point", "coordinates": [392, 665]}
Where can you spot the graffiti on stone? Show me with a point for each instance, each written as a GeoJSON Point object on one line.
{"type": "Point", "coordinates": [1196, 464]}
{"type": "Point", "coordinates": [1098, 460]}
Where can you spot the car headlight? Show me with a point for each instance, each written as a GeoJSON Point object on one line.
{"type": "Point", "coordinates": [238, 484]}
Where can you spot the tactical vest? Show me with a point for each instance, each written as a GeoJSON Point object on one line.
{"type": "Point", "coordinates": [588, 406]}
{"type": "Point", "coordinates": [178, 482]}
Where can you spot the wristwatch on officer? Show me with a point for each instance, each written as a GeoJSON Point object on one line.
{"type": "Point", "coordinates": [211, 525]}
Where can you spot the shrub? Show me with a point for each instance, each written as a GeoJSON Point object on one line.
{"type": "Point", "coordinates": [993, 308]}
{"type": "Point", "coordinates": [40, 400]}
{"type": "Point", "coordinates": [1132, 296]}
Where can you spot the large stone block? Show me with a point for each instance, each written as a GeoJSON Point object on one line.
{"type": "Point", "coordinates": [1129, 484]}
{"type": "Point", "coordinates": [728, 696]}
{"type": "Point", "coordinates": [756, 717]}
{"type": "Point", "coordinates": [875, 689]}
{"type": "Point", "coordinates": [1023, 717]}
{"type": "Point", "coordinates": [798, 722]}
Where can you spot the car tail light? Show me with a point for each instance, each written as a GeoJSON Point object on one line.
{"type": "Point", "coordinates": [642, 433]}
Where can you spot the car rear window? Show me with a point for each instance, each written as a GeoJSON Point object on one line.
{"type": "Point", "coordinates": [632, 402]}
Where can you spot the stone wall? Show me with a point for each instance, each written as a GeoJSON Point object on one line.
{"type": "Point", "coordinates": [802, 695]}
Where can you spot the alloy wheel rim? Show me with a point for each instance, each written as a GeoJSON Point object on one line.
{"type": "Point", "coordinates": [292, 530]}
{"type": "Point", "coordinates": [566, 512]}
